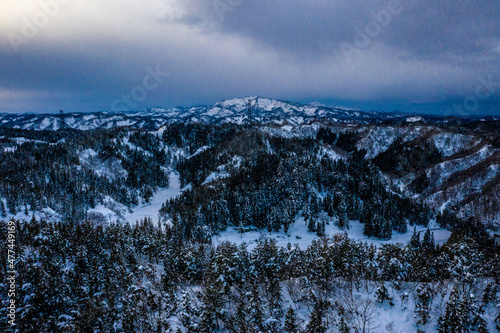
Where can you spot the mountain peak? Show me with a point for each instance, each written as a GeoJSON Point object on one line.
{"type": "Point", "coordinates": [264, 110]}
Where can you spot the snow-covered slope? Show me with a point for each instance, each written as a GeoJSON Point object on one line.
{"type": "Point", "coordinates": [465, 179]}
{"type": "Point", "coordinates": [263, 110]}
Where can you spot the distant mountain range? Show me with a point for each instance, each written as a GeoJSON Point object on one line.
{"type": "Point", "coordinates": [263, 111]}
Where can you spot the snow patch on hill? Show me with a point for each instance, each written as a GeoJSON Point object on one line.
{"type": "Point", "coordinates": [439, 173]}
{"type": "Point", "coordinates": [152, 208]}
{"type": "Point", "coordinates": [379, 138]}
{"type": "Point", "coordinates": [110, 168]}
{"type": "Point", "coordinates": [451, 143]}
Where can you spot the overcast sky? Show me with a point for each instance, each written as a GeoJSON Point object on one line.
{"type": "Point", "coordinates": [90, 55]}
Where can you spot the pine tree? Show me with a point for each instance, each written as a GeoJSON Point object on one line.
{"type": "Point", "coordinates": [3, 213]}
{"type": "Point", "coordinates": [382, 295]}
{"type": "Point", "coordinates": [490, 292]}
{"type": "Point", "coordinates": [187, 313]}
{"type": "Point", "coordinates": [475, 315]}
{"type": "Point", "coordinates": [428, 241]}
{"type": "Point", "coordinates": [291, 325]}
{"type": "Point", "coordinates": [451, 321]}
{"type": "Point", "coordinates": [241, 229]}
{"type": "Point", "coordinates": [422, 305]}
{"type": "Point", "coordinates": [275, 300]}
{"type": "Point", "coordinates": [320, 229]}
{"type": "Point", "coordinates": [343, 220]}
{"type": "Point", "coordinates": [343, 327]}
{"type": "Point", "coordinates": [207, 322]}
{"type": "Point", "coordinates": [482, 326]}
{"type": "Point", "coordinates": [316, 324]}
{"type": "Point", "coordinates": [385, 228]}
{"type": "Point", "coordinates": [415, 239]}
{"type": "Point", "coordinates": [255, 312]}
{"type": "Point", "coordinates": [213, 304]}
{"type": "Point", "coordinates": [367, 219]}
{"type": "Point", "coordinates": [240, 318]}
{"type": "Point", "coordinates": [311, 225]}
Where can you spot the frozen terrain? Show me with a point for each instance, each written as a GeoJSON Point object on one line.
{"type": "Point", "coordinates": [298, 234]}
{"type": "Point", "coordinates": [151, 209]}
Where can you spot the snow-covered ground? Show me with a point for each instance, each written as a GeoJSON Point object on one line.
{"type": "Point", "coordinates": [379, 138]}
{"type": "Point", "coordinates": [214, 176]}
{"type": "Point", "coordinates": [151, 209]}
{"type": "Point", "coordinates": [46, 214]}
{"type": "Point", "coordinates": [111, 210]}
{"type": "Point", "coordinates": [451, 143]}
{"type": "Point", "coordinates": [111, 168]}
{"type": "Point", "coordinates": [298, 234]}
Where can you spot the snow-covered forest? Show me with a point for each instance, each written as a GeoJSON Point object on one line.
{"type": "Point", "coordinates": [79, 277]}
{"type": "Point", "coordinates": [124, 229]}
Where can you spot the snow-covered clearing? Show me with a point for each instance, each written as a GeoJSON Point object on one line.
{"type": "Point", "coordinates": [110, 168]}
{"type": "Point", "coordinates": [214, 176]}
{"type": "Point", "coordinates": [298, 234]}
{"type": "Point", "coordinates": [151, 209]}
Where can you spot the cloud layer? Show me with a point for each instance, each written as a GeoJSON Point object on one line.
{"type": "Point", "coordinates": [412, 55]}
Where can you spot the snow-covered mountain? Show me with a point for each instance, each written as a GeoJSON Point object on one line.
{"type": "Point", "coordinates": [464, 178]}
{"type": "Point", "coordinates": [446, 162]}
{"type": "Point", "coordinates": [263, 110]}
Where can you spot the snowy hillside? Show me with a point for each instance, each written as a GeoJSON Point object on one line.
{"type": "Point", "coordinates": [303, 219]}
{"type": "Point", "coordinates": [263, 110]}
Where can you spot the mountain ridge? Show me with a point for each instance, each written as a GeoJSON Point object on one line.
{"type": "Point", "coordinates": [264, 111]}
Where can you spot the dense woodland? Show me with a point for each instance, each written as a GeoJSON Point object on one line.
{"type": "Point", "coordinates": [274, 180]}
{"type": "Point", "coordinates": [46, 171]}
{"type": "Point", "coordinates": [75, 275]}
{"type": "Point", "coordinates": [79, 277]}
{"type": "Point", "coordinates": [278, 178]}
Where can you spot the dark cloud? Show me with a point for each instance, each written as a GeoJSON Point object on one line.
{"type": "Point", "coordinates": [429, 55]}
{"type": "Point", "coordinates": [424, 28]}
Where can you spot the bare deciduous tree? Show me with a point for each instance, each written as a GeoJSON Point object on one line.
{"type": "Point", "coordinates": [360, 312]}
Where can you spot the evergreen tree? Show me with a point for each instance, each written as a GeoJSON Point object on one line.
{"type": "Point", "coordinates": [316, 324]}
{"type": "Point", "coordinates": [422, 305]}
{"type": "Point", "coordinates": [291, 325]}
{"type": "Point", "coordinates": [428, 242]}
{"type": "Point", "coordinates": [240, 318]}
{"type": "Point", "coordinates": [207, 322]}
{"type": "Point", "coordinates": [461, 314]}
{"type": "Point", "coordinates": [382, 295]}
{"type": "Point", "coordinates": [320, 229]}
{"type": "Point", "coordinates": [311, 225]}
{"type": "Point", "coordinates": [213, 303]}
{"type": "Point", "coordinates": [3, 213]}
{"type": "Point", "coordinates": [275, 300]}
{"type": "Point", "coordinates": [187, 314]}
{"type": "Point", "coordinates": [255, 312]}
{"type": "Point", "coordinates": [415, 240]}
